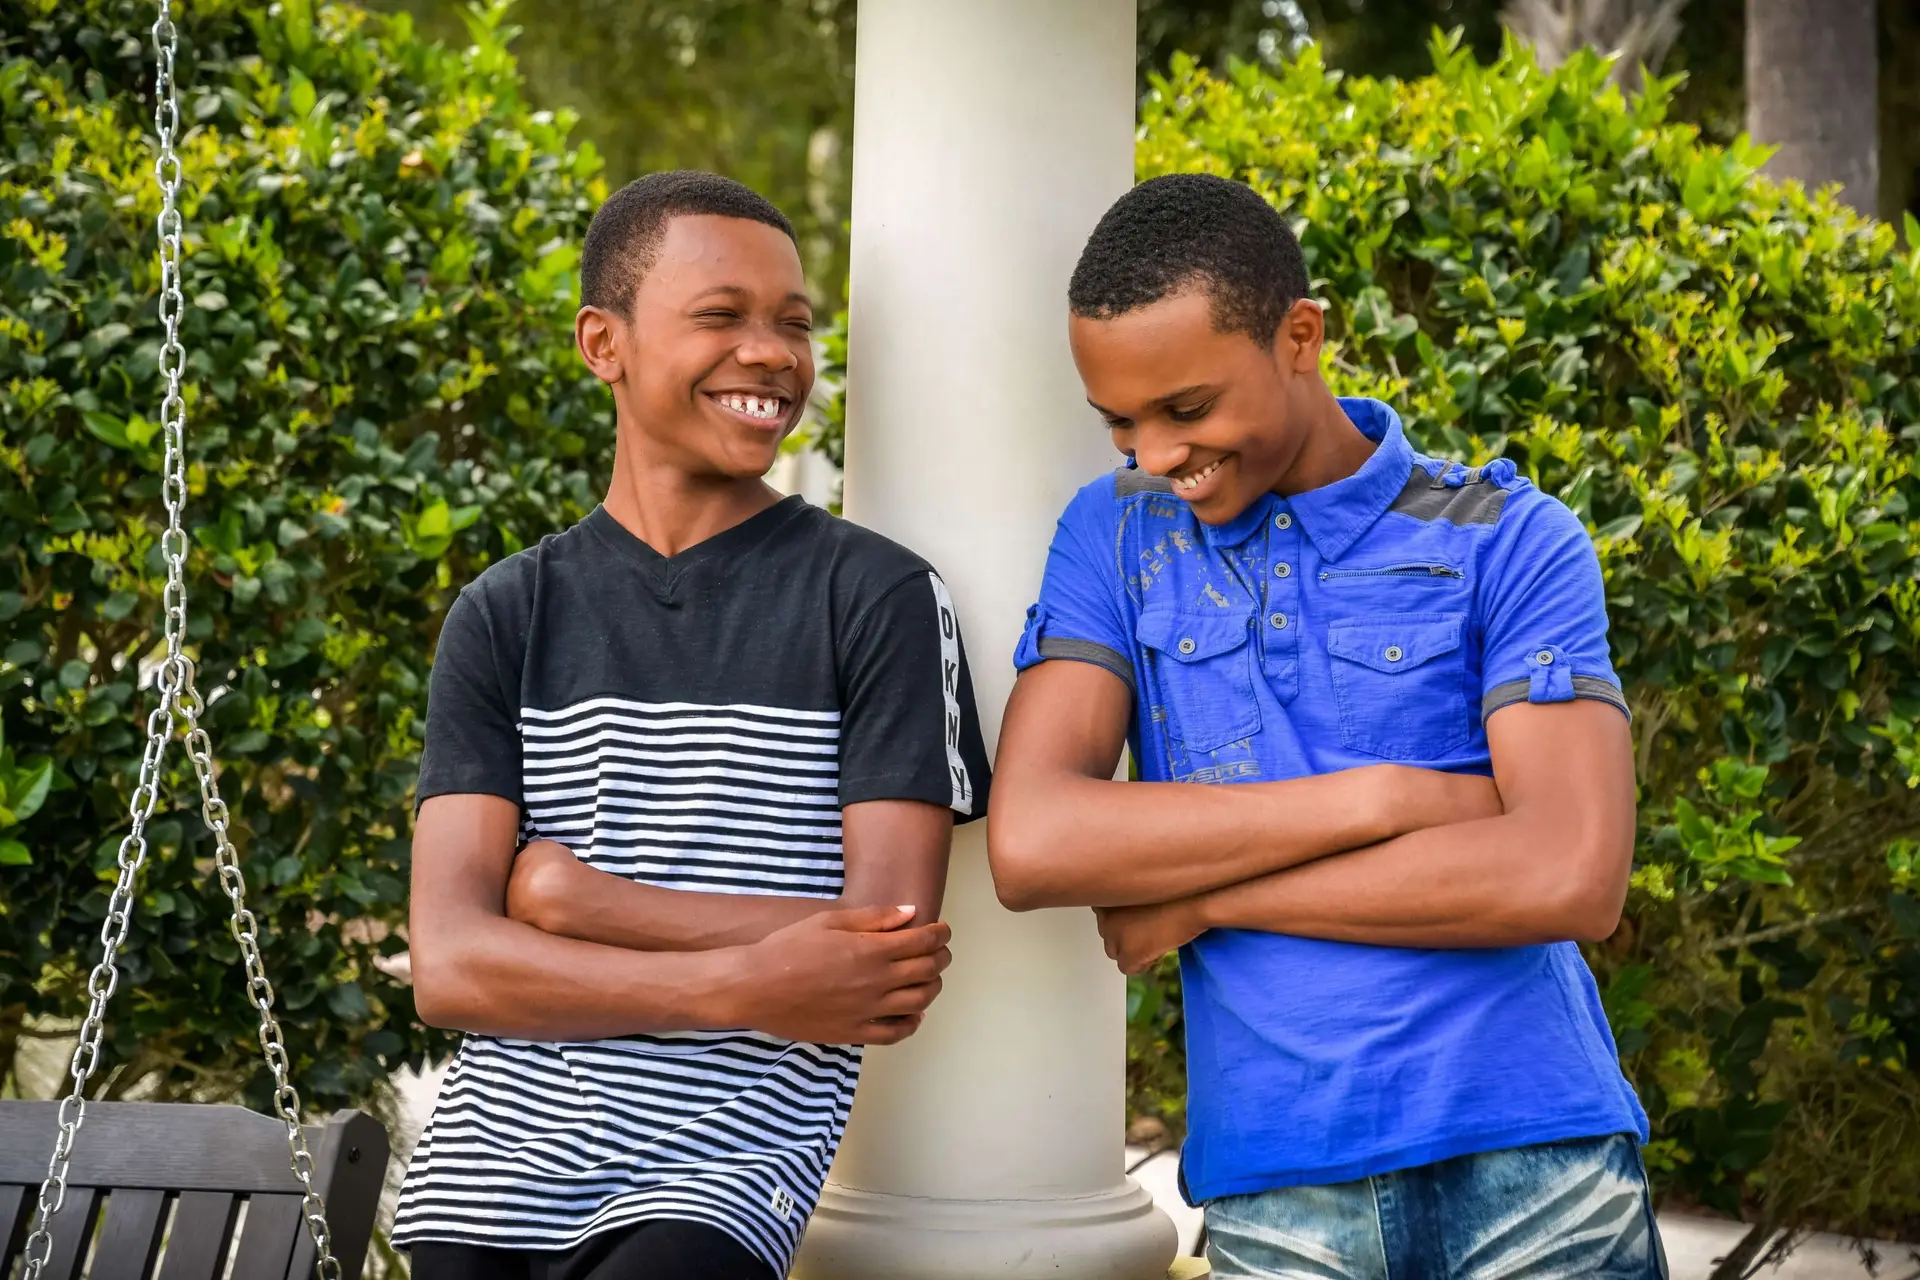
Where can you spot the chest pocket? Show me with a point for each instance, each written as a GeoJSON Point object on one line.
{"type": "Point", "coordinates": [1203, 675]}
{"type": "Point", "coordinates": [1399, 680]}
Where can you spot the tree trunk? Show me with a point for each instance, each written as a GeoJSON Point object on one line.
{"type": "Point", "coordinates": [1636, 33]}
{"type": "Point", "coordinates": [1812, 92]}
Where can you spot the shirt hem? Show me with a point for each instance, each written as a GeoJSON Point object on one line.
{"type": "Point", "coordinates": [467, 787]}
{"type": "Point", "coordinates": [1422, 1153]}
{"type": "Point", "coordinates": [409, 1240]}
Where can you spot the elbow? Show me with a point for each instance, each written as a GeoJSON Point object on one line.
{"type": "Point", "coordinates": [435, 999]}
{"type": "Point", "coordinates": [1016, 855]}
{"type": "Point", "coordinates": [1589, 899]}
{"type": "Point", "coordinates": [444, 996]}
{"type": "Point", "coordinates": [535, 892]}
{"type": "Point", "coordinates": [1593, 918]}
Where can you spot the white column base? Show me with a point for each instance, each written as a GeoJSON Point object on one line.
{"type": "Point", "coordinates": [865, 1235]}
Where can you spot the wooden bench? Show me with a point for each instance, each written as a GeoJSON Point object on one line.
{"type": "Point", "coordinates": [176, 1191]}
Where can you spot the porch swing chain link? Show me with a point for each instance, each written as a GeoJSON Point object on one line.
{"type": "Point", "coordinates": [180, 704]}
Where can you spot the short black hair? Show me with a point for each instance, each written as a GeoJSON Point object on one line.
{"type": "Point", "coordinates": [1186, 229]}
{"type": "Point", "coordinates": [624, 237]}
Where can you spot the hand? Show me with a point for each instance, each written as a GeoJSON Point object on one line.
{"type": "Point", "coordinates": [1137, 937]}
{"type": "Point", "coordinates": [855, 976]}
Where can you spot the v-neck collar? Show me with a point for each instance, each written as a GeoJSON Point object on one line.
{"type": "Point", "coordinates": [666, 576]}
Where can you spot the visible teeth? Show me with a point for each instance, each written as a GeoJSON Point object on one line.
{"type": "Point", "coordinates": [753, 406]}
{"type": "Point", "coordinates": [1193, 481]}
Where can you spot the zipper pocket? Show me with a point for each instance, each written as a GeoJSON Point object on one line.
{"type": "Point", "coordinates": [1394, 571]}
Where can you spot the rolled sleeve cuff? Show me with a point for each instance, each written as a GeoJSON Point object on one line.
{"type": "Point", "coordinates": [1037, 646]}
{"type": "Point", "coordinates": [1596, 688]}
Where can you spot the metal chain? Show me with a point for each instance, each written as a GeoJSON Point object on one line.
{"type": "Point", "coordinates": [180, 702]}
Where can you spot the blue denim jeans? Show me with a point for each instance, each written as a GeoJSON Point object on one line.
{"type": "Point", "coordinates": [1562, 1210]}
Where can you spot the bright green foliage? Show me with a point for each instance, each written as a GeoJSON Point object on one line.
{"type": "Point", "coordinates": [381, 397]}
{"type": "Point", "coordinates": [1718, 373]}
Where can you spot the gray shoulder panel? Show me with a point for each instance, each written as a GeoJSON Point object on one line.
{"type": "Point", "coordinates": [1128, 481]}
{"type": "Point", "coordinates": [1478, 501]}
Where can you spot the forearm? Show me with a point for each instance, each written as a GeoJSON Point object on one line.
{"type": "Point", "coordinates": [887, 865]}
{"type": "Point", "coordinates": [1494, 882]}
{"type": "Point", "coordinates": [618, 912]}
{"type": "Point", "coordinates": [1069, 840]}
{"type": "Point", "coordinates": [500, 977]}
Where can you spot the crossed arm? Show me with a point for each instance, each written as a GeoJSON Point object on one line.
{"type": "Point", "coordinates": [545, 947]}
{"type": "Point", "coordinates": [1388, 855]}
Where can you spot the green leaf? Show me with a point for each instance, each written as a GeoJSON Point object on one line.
{"type": "Point", "coordinates": [28, 790]}
{"type": "Point", "coordinates": [107, 427]}
{"type": "Point", "coordinates": [1623, 527]}
{"type": "Point", "coordinates": [302, 96]}
{"type": "Point", "coordinates": [348, 1002]}
{"type": "Point", "coordinates": [14, 854]}
{"type": "Point", "coordinates": [249, 742]}
{"type": "Point", "coordinates": [435, 522]}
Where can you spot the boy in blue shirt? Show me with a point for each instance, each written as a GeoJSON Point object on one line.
{"type": "Point", "coordinates": [1398, 1063]}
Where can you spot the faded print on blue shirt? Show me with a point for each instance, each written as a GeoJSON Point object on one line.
{"type": "Point", "coordinates": [1380, 618]}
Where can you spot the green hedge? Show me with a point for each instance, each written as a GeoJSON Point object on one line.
{"type": "Point", "coordinates": [382, 396]}
{"type": "Point", "coordinates": [1717, 372]}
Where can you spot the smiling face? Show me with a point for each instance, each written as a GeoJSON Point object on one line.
{"type": "Point", "coordinates": [1215, 412]}
{"type": "Point", "coordinates": [713, 367]}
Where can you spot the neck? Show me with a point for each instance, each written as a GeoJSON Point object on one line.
{"type": "Point", "coordinates": [671, 509]}
{"type": "Point", "coordinates": [1331, 448]}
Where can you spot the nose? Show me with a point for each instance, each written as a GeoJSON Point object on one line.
{"type": "Point", "coordinates": [764, 347]}
{"type": "Point", "coordinates": [1158, 456]}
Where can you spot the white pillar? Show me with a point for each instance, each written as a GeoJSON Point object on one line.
{"type": "Point", "coordinates": [989, 137]}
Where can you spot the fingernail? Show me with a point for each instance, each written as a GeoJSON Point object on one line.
{"type": "Point", "coordinates": [906, 907]}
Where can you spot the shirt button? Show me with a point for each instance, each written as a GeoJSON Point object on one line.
{"type": "Point", "coordinates": [1395, 653]}
{"type": "Point", "coordinates": [1544, 657]}
{"type": "Point", "coordinates": [1279, 621]}
{"type": "Point", "coordinates": [1283, 521]}
{"type": "Point", "coordinates": [1186, 645]}
{"type": "Point", "coordinates": [1283, 570]}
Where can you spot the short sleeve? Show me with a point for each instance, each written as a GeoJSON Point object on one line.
{"type": "Point", "coordinates": [908, 726]}
{"type": "Point", "coordinates": [473, 735]}
{"type": "Point", "coordinates": [1544, 608]}
{"type": "Point", "coordinates": [1078, 617]}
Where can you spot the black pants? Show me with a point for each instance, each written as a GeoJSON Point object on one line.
{"type": "Point", "coordinates": [659, 1249]}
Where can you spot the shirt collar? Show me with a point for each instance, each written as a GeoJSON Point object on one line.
{"type": "Point", "coordinates": [1335, 515]}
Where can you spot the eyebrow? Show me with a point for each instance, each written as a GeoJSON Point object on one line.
{"type": "Point", "coordinates": [741, 291]}
{"type": "Point", "coordinates": [1167, 399]}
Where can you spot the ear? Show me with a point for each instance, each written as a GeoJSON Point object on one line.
{"type": "Point", "coordinates": [596, 333]}
{"type": "Point", "coordinates": [1302, 332]}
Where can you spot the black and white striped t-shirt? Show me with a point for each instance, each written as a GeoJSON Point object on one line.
{"type": "Point", "coordinates": [694, 722]}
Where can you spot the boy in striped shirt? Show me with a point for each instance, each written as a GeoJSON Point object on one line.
{"type": "Point", "coordinates": [690, 777]}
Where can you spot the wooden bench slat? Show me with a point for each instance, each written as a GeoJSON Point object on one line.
{"type": "Point", "coordinates": [267, 1236]}
{"type": "Point", "coordinates": [16, 1211]}
{"type": "Point", "coordinates": [202, 1229]}
{"type": "Point", "coordinates": [131, 1239]}
{"type": "Point", "coordinates": [164, 1146]}
{"type": "Point", "coordinates": [72, 1234]}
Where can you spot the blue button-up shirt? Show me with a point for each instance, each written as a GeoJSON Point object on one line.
{"type": "Point", "coordinates": [1382, 617]}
